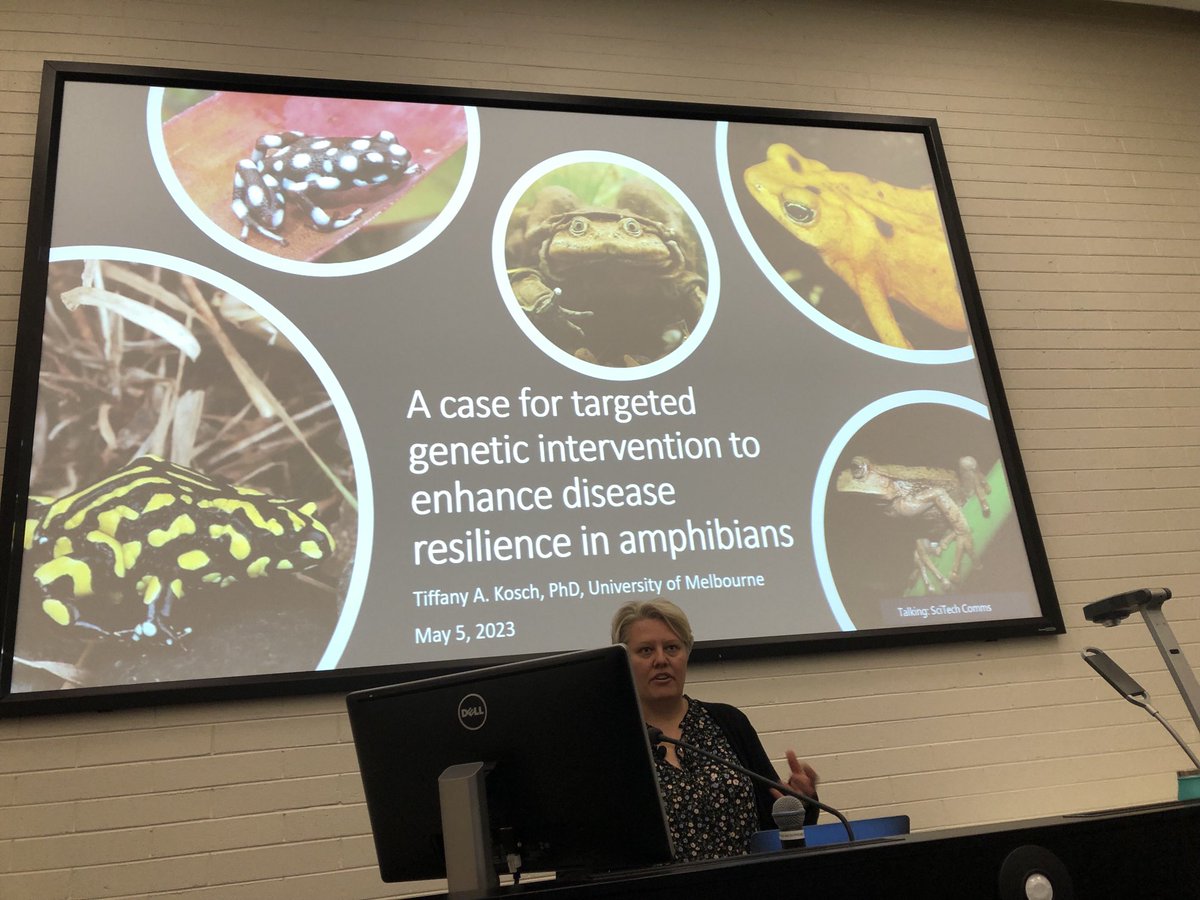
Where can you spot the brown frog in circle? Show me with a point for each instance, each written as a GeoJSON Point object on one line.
{"type": "Point", "coordinates": [934, 493]}
{"type": "Point", "coordinates": [618, 286]}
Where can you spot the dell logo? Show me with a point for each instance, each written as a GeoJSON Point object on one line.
{"type": "Point", "coordinates": [472, 712]}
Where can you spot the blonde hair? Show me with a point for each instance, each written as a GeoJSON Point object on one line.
{"type": "Point", "coordinates": [663, 610]}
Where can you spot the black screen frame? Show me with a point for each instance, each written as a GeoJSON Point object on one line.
{"type": "Point", "coordinates": [17, 463]}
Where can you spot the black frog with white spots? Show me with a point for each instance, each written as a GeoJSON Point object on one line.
{"type": "Point", "coordinates": [314, 173]}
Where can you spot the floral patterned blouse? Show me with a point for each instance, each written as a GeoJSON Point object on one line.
{"type": "Point", "coordinates": [710, 808]}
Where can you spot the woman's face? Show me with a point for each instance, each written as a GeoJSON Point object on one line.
{"type": "Point", "coordinates": [659, 660]}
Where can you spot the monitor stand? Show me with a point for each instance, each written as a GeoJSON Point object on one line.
{"type": "Point", "coordinates": [470, 871]}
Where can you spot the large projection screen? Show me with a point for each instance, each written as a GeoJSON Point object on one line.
{"type": "Point", "coordinates": [319, 383]}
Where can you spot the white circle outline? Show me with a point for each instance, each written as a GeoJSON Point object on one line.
{"type": "Point", "coordinates": [354, 439]}
{"type": "Point", "coordinates": [500, 264]}
{"type": "Point", "coordinates": [234, 244]}
{"type": "Point", "coordinates": [926, 357]}
{"type": "Point", "coordinates": [825, 475]}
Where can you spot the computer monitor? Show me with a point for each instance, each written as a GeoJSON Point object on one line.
{"type": "Point", "coordinates": [571, 782]}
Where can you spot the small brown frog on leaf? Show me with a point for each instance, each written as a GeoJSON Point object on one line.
{"type": "Point", "coordinates": [617, 286]}
{"type": "Point", "coordinates": [886, 242]}
{"type": "Point", "coordinates": [930, 492]}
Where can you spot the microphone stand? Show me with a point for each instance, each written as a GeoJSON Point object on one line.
{"type": "Point", "coordinates": [1149, 602]}
{"type": "Point", "coordinates": [1130, 690]}
{"type": "Point", "coordinates": [657, 737]}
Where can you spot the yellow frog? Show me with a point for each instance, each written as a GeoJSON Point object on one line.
{"type": "Point", "coordinates": [886, 242]}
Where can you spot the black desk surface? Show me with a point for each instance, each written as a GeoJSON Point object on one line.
{"type": "Point", "coordinates": [1140, 852]}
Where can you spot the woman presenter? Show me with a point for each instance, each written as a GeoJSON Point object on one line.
{"type": "Point", "coordinates": [712, 810]}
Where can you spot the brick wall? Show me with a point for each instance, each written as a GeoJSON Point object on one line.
{"type": "Point", "coordinates": [1073, 137]}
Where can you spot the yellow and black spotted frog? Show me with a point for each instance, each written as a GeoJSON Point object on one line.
{"type": "Point", "coordinates": [114, 557]}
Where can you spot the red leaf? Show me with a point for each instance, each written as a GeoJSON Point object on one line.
{"type": "Point", "coordinates": [206, 141]}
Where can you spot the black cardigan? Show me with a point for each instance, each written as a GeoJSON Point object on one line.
{"type": "Point", "coordinates": [750, 753]}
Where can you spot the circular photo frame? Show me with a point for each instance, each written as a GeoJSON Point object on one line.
{"type": "Point", "coordinates": [316, 186]}
{"type": "Point", "coordinates": [606, 265]}
{"type": "Point", "coordinates": [910, 500]}
{"type": "Point", "coordinates": [201, 500]}
{"type": "Point", "coordinates": [846, 226]}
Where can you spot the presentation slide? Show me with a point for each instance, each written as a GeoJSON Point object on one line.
{"type": "Point", "coordinates": [330, 383]}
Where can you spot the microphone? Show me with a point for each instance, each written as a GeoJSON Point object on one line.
{"type": "Point", "coordinates": [788, 813]}
{"type": "Point", "coordinates": [657, 737]}
{"type": "Point", "coordinates": [1125, 685]}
